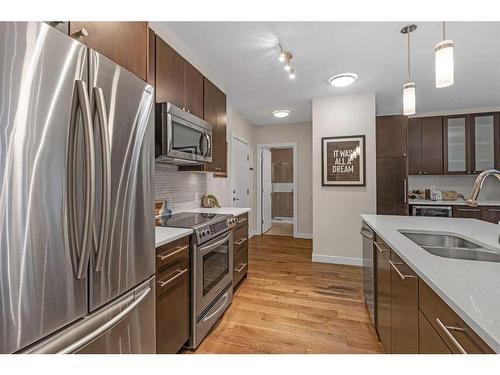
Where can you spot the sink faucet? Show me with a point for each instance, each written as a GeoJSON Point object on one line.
{"type": "Point", "coordinates": [478, 184]}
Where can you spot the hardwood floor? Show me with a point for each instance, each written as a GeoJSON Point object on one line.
{"type": "Point", "coordinates": [280, 229]}
{"type": "Point", "coordinates": [290, 305]}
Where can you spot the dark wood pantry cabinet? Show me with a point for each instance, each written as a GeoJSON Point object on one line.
{"type": "Point", "coordinates": [391, 165]}
{"type": "Point", "coordinates": [125, 43]}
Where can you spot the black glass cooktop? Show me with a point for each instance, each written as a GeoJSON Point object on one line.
{"type": "Point", "coordinates": [188, 220]}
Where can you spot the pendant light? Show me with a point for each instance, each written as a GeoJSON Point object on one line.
{"type": "Point", "coordinates": [409, 97]}
{"type": "Point", "coordinates": [444, 61]}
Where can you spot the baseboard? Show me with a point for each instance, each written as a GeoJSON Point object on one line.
{"type": "Point", "coordinates": [337, 260]}
{"type": "Point", "coordinates": [252, 233]}
{"type": "Point", "coordinates": [307, 236]}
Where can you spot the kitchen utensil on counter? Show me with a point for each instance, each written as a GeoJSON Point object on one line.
{"type": "Point", "coordinates": [450, 195]}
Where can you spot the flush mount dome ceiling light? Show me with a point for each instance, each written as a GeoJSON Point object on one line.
{"type": "Point", "coordinates": [343, 80]}
{"type": "Point", "coordinates": [280, 113]}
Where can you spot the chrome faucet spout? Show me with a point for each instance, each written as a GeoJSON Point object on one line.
{"type": "Point", "coordinates": [478, 184]}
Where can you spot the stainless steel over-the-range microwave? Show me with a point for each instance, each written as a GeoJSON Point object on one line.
{"type": "Point", "coordinates": [181, 137]}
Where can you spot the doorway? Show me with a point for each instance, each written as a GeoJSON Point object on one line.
{"type": "Point", "coordinates": [240, 172]}
{"type": "Point", "coordinates": [277, 199]}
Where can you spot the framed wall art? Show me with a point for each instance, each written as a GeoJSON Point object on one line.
{"type": "Point", "coordinates": [343, 161]}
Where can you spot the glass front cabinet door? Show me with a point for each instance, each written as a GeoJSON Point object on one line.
{"type": "Point", "coordinates": [455, 136]}
{"type": "Point", "coordinates": [483, 144]}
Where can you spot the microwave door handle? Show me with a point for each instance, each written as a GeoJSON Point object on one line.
{"type": "Point", "coordinates": [206, 249]}
{"type": "Point", "coordinates": [209, 145]}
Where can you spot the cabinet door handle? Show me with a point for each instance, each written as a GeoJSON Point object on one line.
{"type": "Point", "coordinates": [163, 284]}
{"type": "Point", "coordinates": [469, 209]}
{"type": "Point", "coordinates": [242, 220]}
{"type": "Point", "coordinates": [403, 277]}
{"type": "Point", "coordinates": [80, 33]}
{"type": "Point", "coordinates": [404, 191]}
{"type": "Point", "coordinates": [447, 329]}
{"type": "Point", "coordinates": [242, 240]}
{"type": "Point", "coordinates": [179, 249]}
{"type": "Point", "coordinates": [380, 250]}
{"type": "Point", "coordinates": [241, 268]}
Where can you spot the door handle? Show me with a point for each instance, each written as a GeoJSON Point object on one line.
{"type": "Point", "coordinates": [100, 242]}
{"type": "Point", "coordinates": [241, 268]}
{"type": "Point", "coordinates": [446, 330]}
{"type": "Point", "coordinates": [163, 284]}
{"type": "Point", "coordinates": [165, 257]}
{"type": "Point", "coordinates": [107, 326]}
{"type": "Point", "coordinates": [242, 240]}
{"type": "Point", "coordinates": [82, 249]}
{"type": "Point", "coordinates": [224, 298]}
{"type": "Point", "coordinates": [403, 277]}
{"type": "Point", "coordinates": [380, 250]}
{"type": "Point", "coordinates": [207, 248]}
{"type": "Point", "coordinates": [366, 234]}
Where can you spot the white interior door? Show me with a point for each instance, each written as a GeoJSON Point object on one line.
{"type": "Point", "coordinates": [267, 190]}
{"type": "Point", "coordinates": [240, 170]}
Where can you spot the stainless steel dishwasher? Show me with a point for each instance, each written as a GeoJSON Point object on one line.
{"type": "Point", "coordinates": [368, 270]}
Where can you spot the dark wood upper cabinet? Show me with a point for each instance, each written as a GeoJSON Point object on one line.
{"type": "Point", "coordinates": [415, 164]}
{"type": "Point", "coordinates": [391, 136]}
{"type": "Point", "coordinates": [484, 142]}
{"type": "Point", "coordinates": [392, 189]}
{"type": "Point", "coordinates": [432, 145]}
{"type": "Point", "coordinates": [125, 43]}
{"type": "Point", "coordinates": [169, 74]}
{"type": "Point", "coordinates": [404, 307]}
{"type": "Point", "coordinates": [177, 81]}
{"type": "Point", "coordinates": [193, 90]}
{"type": "Point", "coordinates": [425, 145]}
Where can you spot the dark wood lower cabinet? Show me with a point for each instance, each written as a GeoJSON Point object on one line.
{"type": "Point", "coordinates": [404, 307]}
{"type": "Point", "coordinates": [466, 212]}
{"type": "Point", "coordinates": [411, 317]}
{"type": "Point", "coordinates": [240, 250]}
{"type": "Point", "coordinates": [172, 296]}
{"type": "Point", "coordinates": [383, 293]}
{"type": "Point", "coordinates": [429, 342]}
{"type": "Point", "coordinates": [491, 214]}
{"type": "Point", "coordinates": [392, 186]}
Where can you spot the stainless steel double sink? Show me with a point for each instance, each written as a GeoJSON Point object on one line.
{"type": "Point", "coordinates": [451, 246]}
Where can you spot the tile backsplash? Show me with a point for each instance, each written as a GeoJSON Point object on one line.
{"type": "Point", "coordinates": [460, 184]}
{"type": "Point", "coordinates": [182, 190]}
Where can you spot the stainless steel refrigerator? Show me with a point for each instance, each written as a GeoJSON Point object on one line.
{"type": "Point", "coordinates": [76, 199]}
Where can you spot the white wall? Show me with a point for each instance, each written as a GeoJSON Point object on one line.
{"type": "Point", "coordinates": [301, 134]}
{"type": "Point", "coordinates": [221, 187]}
{"type": "Point", "coordinates": [336, 210]}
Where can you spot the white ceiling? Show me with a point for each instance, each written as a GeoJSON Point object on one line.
{"type": "Point", "coordinates": [244, 56]}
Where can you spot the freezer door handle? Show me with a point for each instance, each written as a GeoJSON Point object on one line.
{"type": "Point", "coordinates": [106, 326]}
{"type": "Point", "coordinates": [81, 249]}
{"type": "Point", "coordinates": [101, 239]}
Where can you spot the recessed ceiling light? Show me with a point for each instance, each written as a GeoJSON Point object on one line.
{"type": "Point", "coordinates": [280, 113]}
{"type": "Point", "coordinates": [343, 80]}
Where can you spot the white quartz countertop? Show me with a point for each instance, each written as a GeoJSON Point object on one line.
{"type": "Point", "coordinates": [235, 211]}
{"type": "Point", "coordinates": [471, 288]}
{"type": "Point", "coordinates": [458, 202]}
{"type": "Point", "coordinates": [164, 235]}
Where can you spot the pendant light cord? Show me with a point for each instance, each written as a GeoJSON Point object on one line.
{"type": "Point", "coordinates": [408, 56]}
{"type": "Point", "coordinates": [444, 30]}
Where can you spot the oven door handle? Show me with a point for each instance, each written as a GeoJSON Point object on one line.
{"type": "Point", "coordinates": [206, 249]}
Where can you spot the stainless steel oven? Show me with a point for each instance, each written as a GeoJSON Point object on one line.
{"type": "Point", "coordinates": [181, 137]}
{"type": "Point", "coordinates": [212, 265]}
{"type": "Point", "coordinates": [211, 286]}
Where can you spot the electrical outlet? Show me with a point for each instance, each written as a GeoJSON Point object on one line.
{"type": "Point", "coordinates": [197, 197]}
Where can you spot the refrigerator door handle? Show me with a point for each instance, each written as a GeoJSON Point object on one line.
{"type": "Point", "coordinates": [106, 326]}
{"type": "Point", "coordinates": [101, 240]}
{"type": "Point", "coordinates": [83, 250]}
